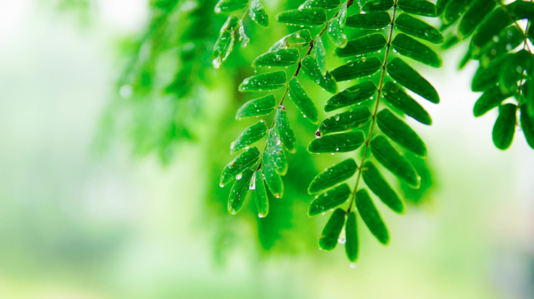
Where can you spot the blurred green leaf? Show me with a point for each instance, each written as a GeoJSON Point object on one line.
{"type": "Point", "coordinates": [272, 179]}
{"type": "Point", "coordinates": [512, 70]}
{"type": "Point", "coordinates": [275, 153]}
{"type": "Point", "coordinates": [357, 69]}
{"type": "Point", "coordinates": [411, 79]}
{"type": "Point", "coordinates": [487, 77]}
{"type": "Point", "coordinates": [249, 136]}
{"type": "Point", "coordinates": [410, 47]}
{"type": "Point", "coordinates": [527, 125]}
{"type": "Point", "coordinates": [478, 9]}
{"type": "Point", "coordinates": [336, 33]}
{"type": "Point", "coordinates": [508, 39]}
{"type": "Point", "coordinates": [239, 164]}
{"type": "Point", "coordinates": [454, 9]}
{"type": "Point", "coordinates": [362, 45]}
{"type": "Point", "coordinates": [440, 6]}
{"type": "Point", "coordinates": [398, 131]}
{"type": "Point", "coordinates": [504, 128]}
{"type": "Point", "coordinates": [267, 81]}
{"type": "Point", "coordinates": [320, 54]}
{"type": "Point", "coordinates": [225, 43]}
{"type": "Point", "coordinates": [344, 142]}
{"type": "Point", "coordinates": [258, 13]}
{"type": "Point", "coordinates": [332, 176]}
{"type": "Point", "coordinates": [402, 101]}
{"type": "Point", "coordinates": [239, 191]}
{"type": "Point", "coordinates": [371, 216]}
{"type": "Point", "coordinates": [329, 200]}
{"type": "Point", "coordinates": [381, 188]}
{"type": "Point", "coordinates": [490, 99]}
{"type": "Point", "coordinates": [260, 194]}
{"type": "Point", "coordinates": [330, 235]}
{"type": "Point", "coordinates": [418, 7]}
{"type": "Point", "coordinates": [348, 120]}
{"type": "Point", "coordinates": [377, 5]}
{"type": "Point", "coordinates": [350, 96]}
{"type": "Point", "coordinates": [298, 38]}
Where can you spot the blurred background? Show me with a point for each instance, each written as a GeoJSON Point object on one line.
{"type": "Point", "coordinates": [114, 128]}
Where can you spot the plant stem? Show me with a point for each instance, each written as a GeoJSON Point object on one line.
{"type": "Point", "coordinates": [375, 111]}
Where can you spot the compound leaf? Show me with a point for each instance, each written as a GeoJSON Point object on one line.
{"type": "Point", "coordinates": [279, 58]}
{"type": "Point", "coordinates": [239, 164]}
{"type": "Point", "coordinates": [352, 247]}
{"type": "Point", "coordinates": [332, 176]}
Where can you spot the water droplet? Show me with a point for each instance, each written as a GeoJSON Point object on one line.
{"type": "Point", "coordinates": [342, 241]}
{"type": "Point", "coordinates": [353, 265]}
{"type": "Point", "coordinates": [239, 176]}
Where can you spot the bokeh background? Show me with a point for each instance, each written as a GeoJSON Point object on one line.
{"type": "Point", "coordinates": [95, 204]}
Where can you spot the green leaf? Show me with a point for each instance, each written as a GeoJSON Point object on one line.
{"type": "Point", "coordinates": [239, 164]}
{"type": "Point", "coordinates": [363, 45]}
{"type": "Point", "coordinates": [377, 5]}
{"type": "Point", "coordinates": [504, 128]}
{"type": "Point", "coordinates": [440, 6]}
{"type": "Point", "coordinates": [329, 200]}
{"type": "Point", "coordinates": [341, 143]}
{"type": "Point", "coordinates": [261, 82]}
{"type": "Point", "coordinates": [348, 120]}
{"type": "Point", "coordinates": [250, 135]}
{"type": "Point", "coordinates": [326, 4]}
{"type": "Point", "coordinates": [487, 77]}
{"type": "Point", "coordinates": [478, 9]}
{"type": "Point", "coordinates": [400, 100]}
{"type": "Point", "coordinates": [398, 131]}
{"type": "Point", "coordinates": [411, 79]}
{"type": "Point", "coordinates": [301, 99]}
{"type": "Point", "coordinates": [424, 192]}
{"type": "Point", "coordinates": [332, 176]}
{"type": "Point", "coordinates": [512, 70]}
{"type": "Point", "coordinates": [336, 33]}
{"type": "Point", "coordinates": [303, 17]}
{"type": "Point", "coordinates": [311, 69]}
{"type": "Point", "coordinates": [351, 233]}
{"type": "Point", "coordinates": [490, 99]}
{"type": "Point", "coordinates": [257, 107]}
{"type": "Point", "coordinates": [330, 235]}
{"type": "Point", "coordinates": [320, 54]}
{"type": "Point", "coordinates": [350, 96]}
{"type": "Point", "coordinates": [275, 153]}
{"type": "Point", "coordinates": [372, 20]}
{"type": "Point", "coordinates": [258, 14]}
{"type": "Point", "coordinates": [508, 39]}
{"type": "Point", "coordinates": [418, 28]}
{"type": "Point", "coordinates": [410, 47]}
{"type": "Point", "coordinates": [272, 179]}
{"type": "Point", "coordinates": [298, 38]}
{"type": "Point", "coordinates": [279, 58]}
{"type": "Point", "coordinates": [357, 69]}
{"type": "Point", "coordinates": [453, 10]}
{"type": "Point", "coordinates": [371, 216]}
{"type": "Point", "coordinates": [378, 184]}
{"type": "Point", "coordinates": [284, 129]}
{"type": "Point", "coordinates": [225, 43]}
{"type": "Point", "coordinates": [418, 7]}
{"type": "Point", "coordinates": [450, 41]}
{"type": "Point", "coordinates": [230, 5]}
{"type": "Point", "coordinates": [243, 38]}
{"type": "Point", "coordinates": [388, 156]}
{"type": "Point", "coordinates": [527, 125]}
{"type": "Point", "coordinates": [239, 191]}
{"type": "Point", "coordinates": [260, 194]}
{"type": "Point", "coordinates": [342, 13]}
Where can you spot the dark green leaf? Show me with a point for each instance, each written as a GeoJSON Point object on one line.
{"type": "Point", "coordinates": [487, 77]}
{"type": "Point", "coordinates": [298, 38]}
{"type": "Point", "coordinates": [279, 58]}
{"type": "Point", "coordinates": [418, 28]}
{"type": "Point", "coordinates": [349, 120]}
{"type": "Point", "coordinates": [225, 42]}
{"type": "Point", "coordinates": [410, 47]}
{"type": "Point", "coordinates": [454, 9]}
{"type": "Point", "coordinates": [512, 70]}
{"type": "Point", "coordinates": [357, 69]}
{"type": "Point", "coordinates": [377, 5]}
{"type": "Point", "coordinates": [450, 42]}
{"type": "Point", "coordinates": [275, 153]}
{"type": "Point", "coordinates": [250, 135]}
{"type": "Point", "coordinates": [363, 45]}
{"type": "Point", "coordinates": [267, 81]}
{"type": "Point", "coordinates": [258, 13]}
{"type": "Point", "coordinates": [332, 176]}
{"type": "Point", "coordinates": [424, 192]}
{"type": "Point", "coordinates": [440, 6]}
{"type": "Point", "coordinates": [400, 100]}
{"type": "Point", "coordinates": [504, 128]}
{"type": "Point", "coordinates": [350, 96]}
{"type": "Point", "coordinates": [272, 179]}
{"type": "Point", "coordinates": [398, 131]}
{"type": "Point", "coordinates": [230, 5]}
{"type": "Point", "coordinates": [351, 233]}
{"type": "Point", "coordinates": [371, 216]}
{"type": "Point", "coordinates": [478, 9]}
{"type": "Point", "coordinates": [260, 194]}
{"type": "Point", "coordinates": [378, 184]}
{"type": "Point", "coordinates": [490, 99]}
{"type": "Point", "coordinates": [388, 156]}
{"type": "Point", "coordinates": [418, 7]}
{"type": "Point", "coordinates": [411, 79]}
{"type": "Point", "coordinates": [284, 129]}
{"type": "Point", "coordinates": [527, 125]}
{"type": "Point", "coordinates": [239, 164]}
{"type": "Point", "coordinates": [260, 106]}
{"type": "Point", "coordinates": [303, 17]}
{"type": "Point", "coordinates": [326, 4]}
{"type": "Point", "coordinates": [508, 39]}
{"type": "Point", "coordinates": [301, 99]}
{"type": "Point", "coordinates": [330, 235]}
{"type": "Point", "coordinates": [372, 20]}
{"type": "Point", "coordinates": [239, 191]}
{"type": "Point", "coordinates": [345, 142]}
{"type": "Point", "coordinates": [320, 54]}
{"type": "Point", "coordinates": [311, 69]}
{"type": "Point", "coordinates": [336, 33]}
{"type": "Point", "coordinates": [329, 200]}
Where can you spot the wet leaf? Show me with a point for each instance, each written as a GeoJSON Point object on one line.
{"type": "Point", "coordinates": [279, 58]}
{"type": "Point", "coordinates": [418, 28]}
{"type": "Point", "coordinates": [257, 107]}
{"type": "Point", "coordinates": [410, 47]}
{"type": "Point", "coordinates": [326, 4]}
{"type": "Point", "coordinates": [329, 237]}
{"type": "Point", "coordinates": [344, 142]}
{"type": "Point", "coordinates": [225, 43]}
{"type": "Point", "coordinates": [371, 216]}
{"type": "Point", "coordinates": [311, 69]}
{"type": "Point", "coordinates": [372, 20]}
{"type": "Point", "coordinates": [351, 96]}
{"type": "Point", "coordinates": [478, 9]}
{"type": "Point", "coordinates": [301, 99]}
{"type": "Point", "coordinates": [320, 54]}
{"type": "Point", "coordinates": [363, 45]}
{"type": "Point", "coordinates": [418, 7]}
{"type": "Point", "coordinates": [348, 120]}
{"type": "Point", "coordinates": [332, 176]}
{"type": "Point", "coordinates": [411, 79]}
{"type": "Point", "coordinates": [258, 13]}
{"type": "Point", "coordinates": [303, 17]}
{"type": "Point", "coordinates": [239, 191]}
{"type": "Point", "coordinates": [267, 81]}
{"type": "Point", "coordinates": [298, 38]}
{"type": "Point", "coordinates": [275, 153]}
{"type": "Point", "coordinates": [357, 69]}
{"type": "Point", "coordinates": [284, 129]}
{"type": "Point", "coordinates": [377, 5]}
{"type": "Point", "coordinates": [260, 194]}
{"type": "Point", "coordinates": [402, 101]}
{"type": "Point", "coordinates": [239, 164]}
{"type": "Point", "coordinates": [272, 179]}
{"type": "Point", "coordinates": [250, 135]}
{"type": "Point", "coordinates": [380, 187]}
{"type": "Point", "coordinates": [336, 33]}
{"type": "Point", "coordinates": [329, 200]}
{"type": "Point", "coordinates": [230, 5]}
{"type": "Point", "coordinates": [398, 131]}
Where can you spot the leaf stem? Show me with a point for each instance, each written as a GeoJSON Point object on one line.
{"type": "Point", "coordinates": [375, 110]}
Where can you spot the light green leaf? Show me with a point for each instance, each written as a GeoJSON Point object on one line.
{"type": "Point", "coordinates": [478, 9]}
{"type": "Point", "coordinates": [411, 79]}
{"type": "Point", "coordinates": [527, 125]}
{"type": "Point", "coordinates": [512, 70]}
{"type": "Point", "coordinates": [258, 13]}
{"type": "Point", "coordinates": [418, 28]}
{"type": "Point", "coordinates": [332, 176]}
{"type": "Point", "coordinates": [378, 184]}
{"type": "Point", "coordinates": [371, 20]}
{"type": "Point", "coordinates": [275, 153]}
{"type": "Point", "coordinates": [371, 216]}
{"type": "Point", "coordinates": [490, 99]}
{"type": "Point", "coordinates": [393, 161]}
{"type": "Point", "coordinates": [410, 47]}
{"type": "Point", "coordinates": [260, 194]}
{"type": "Point", "coordinates": [357, 69]}
{"type": "Point", "coordinates": [398, 131]}
{"type": "Point", "coordinates": [329, 200]}
{"type": "Point", "coordinates": [377, 5]}
{"type": "Point", "coordinates": [329, 237]}
{"type": "Point", "coordinates": [400, 100]}
{"type": "Point", "coordinates": [320, 54]}
{"type": "Point", "coordinates": [344, 142]}
{"type": "Point", "coordinates": [279, 58]}
{"type": "Point", "coordinates": [348, 120]}
{"type": "Point", "coordinates": [267, 81]}
{"type": "Point", "coordinates": [239, 164]}
{"type": "Point", "coordinates": [418, 7]}
{"type": "Point", "coordinates": [487, 77]}
{"type": "Point", "coordinates": [284, 129]}
{"type": "Point", "coordinates": [326, 4]}
{"type": "Point", "coordinates": [298, 38]}
{"type": "Point", "coordinates": [352, 247]}
{"type": "Point", "coordinates": [225, 43]}
{"type": "Point", "coordinates": [363, 45]}
{"type": "Point", "coordinates": [311, 69]}
{"type": "Point", "coordinates": [239, 191]}
{"type": "Point", "coordinates": [303, 17]}
{"type": "Point", "coordinates": [301, 99]}
{"type": "Point", "coordinates": [350, 96]}
{"type": "Point", "coordinates": [504, 128]}
{"type": "Point", "coordinates": [257, 107]}
{"type": "Point", "coordinates": [342, 14]}
{"type": "Point", "coordinates": [336, 33]}
{"type": "Point", "coordinates": [230, 5]}
{"type": "Point", "coordinates": [250, 135]}
{"type": "Point", "coordinates": [272, 179]}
